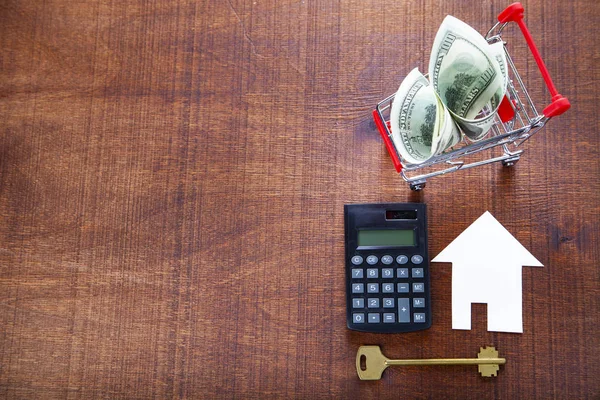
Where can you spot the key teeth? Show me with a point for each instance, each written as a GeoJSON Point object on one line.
{"type": "Point", "coordinates": [487, 352]}
{"type": "Point", "coordinates": [488, 371]}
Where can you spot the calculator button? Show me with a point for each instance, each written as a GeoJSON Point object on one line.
{"type": "Point", "coordinates": [373, 288]}
{"type": "Point", "coordinates": [373, 303]}
{"type": "Point", "coordinates": [388, 303]}
{"type": "Point", "coordinates": [418, 287]}
{"type": "Point", "coordinates": [387, 272]}
{"type": "Point", "coordinates": [387, 288]}
{"type": "Point", "coordinates": [417, 272]}
{"type": "Point", "coordinates": [402, 272]}
{"type": "Point", "coordinates": [389, 318]}
{"type": "Point", "coordinates": [358, 303]}
{"type": "Point", "coordinates": [357, 273]}
{"type": "Point", "coordinates": [357, 260]}
{"type": "Point", "coordinates": [416, 259]}
{"type": "Point", "coordinates": [372, 260]}
{"type": "Point", "coordinates": [372, 273]}
{"type": "Point", "coordinates": [402, 287]}
{"type": "Point", "coordinates": [358, 318]}
{"type": "Point", "coordinates": [374, 318]}
{"type": "Point", "coordinates": [419, 318]}
{"type": "Point", "coordinates": [418, 302]}
{"type": "Point", "coordinates": [403, 310]}
{"type": "Point", "coordinates": [401, 259]}
{"type": "Point", "coordinates": [387, 260]}
{"type": "Point", "coordinates": [358, 288]}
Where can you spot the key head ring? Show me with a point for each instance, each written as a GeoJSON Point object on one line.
{"type": "Point", "coordinates": [373, 360]}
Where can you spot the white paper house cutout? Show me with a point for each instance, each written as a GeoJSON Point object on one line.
{"type": "Point", "coordinates": [487, 268]}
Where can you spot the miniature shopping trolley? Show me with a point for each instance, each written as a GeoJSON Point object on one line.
{"type": "Point", "coordinates": [516, 121]}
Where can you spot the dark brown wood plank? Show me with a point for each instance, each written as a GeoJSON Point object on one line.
{"type": "Point", "coordinates": [172, 182]}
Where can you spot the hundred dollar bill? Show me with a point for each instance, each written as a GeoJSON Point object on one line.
{"type": "Point", "coordinates": [478, 127]}
{"type": "Point", "coordinates": [467, 76]}
{"type": "Point", "coordinates": [417, 120]}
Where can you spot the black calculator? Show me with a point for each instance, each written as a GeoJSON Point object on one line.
{"type": "Point", "coordinates": [387, 267]}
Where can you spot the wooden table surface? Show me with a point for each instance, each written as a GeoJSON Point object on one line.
{"type": "Point", "coordinates": [172, 182]}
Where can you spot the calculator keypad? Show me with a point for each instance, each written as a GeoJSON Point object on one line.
{"type": "Point", "coordinates": [395, 288]}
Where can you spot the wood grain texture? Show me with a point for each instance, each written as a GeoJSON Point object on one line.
{"type": "Point", "coordinates": [172, 181]}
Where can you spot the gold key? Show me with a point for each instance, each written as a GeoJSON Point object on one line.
{"type": "Point", "coordinates": [375, 362]}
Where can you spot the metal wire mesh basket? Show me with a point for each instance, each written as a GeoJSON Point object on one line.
{"type": "Point", "coordinates": [516, 121]}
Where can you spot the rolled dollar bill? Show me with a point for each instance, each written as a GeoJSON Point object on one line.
{"type": "Point", "coordinates": [421, 127]}
{"type": "Point", "coordinates": [466, 75]}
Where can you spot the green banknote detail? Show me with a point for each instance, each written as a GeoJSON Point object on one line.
{"type": "Point", "coordinates": [463, 74]}
{"type": "Point", "coordinates": [428, 125]}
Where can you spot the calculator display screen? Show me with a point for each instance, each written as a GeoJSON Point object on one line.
{"type": "Point", "coordinates": [386, 237]}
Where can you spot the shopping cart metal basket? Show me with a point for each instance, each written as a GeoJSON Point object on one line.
{"type": "Point", "coordinates": [516, 121]}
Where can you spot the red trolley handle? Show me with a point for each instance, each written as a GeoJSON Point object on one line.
{"type": "Point", "coordinates": [559, 104]}
{"type": "Point", "coordinates": [386, 139]}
